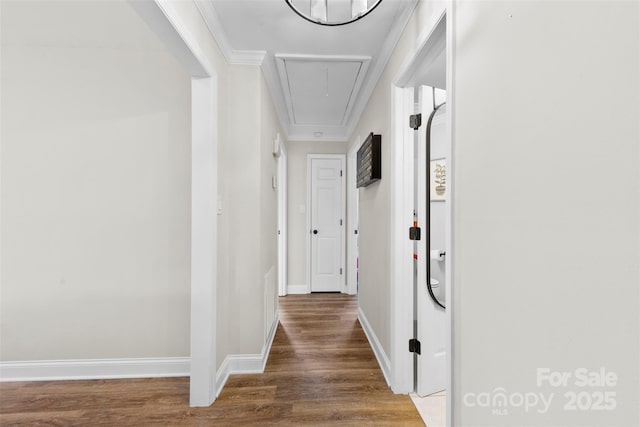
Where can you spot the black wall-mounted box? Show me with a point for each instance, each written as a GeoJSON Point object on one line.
{"type": "Point", "coordinates": [369, 161]}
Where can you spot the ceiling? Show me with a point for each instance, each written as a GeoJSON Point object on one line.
{"type": "Point", "coordinates": [320, 78]}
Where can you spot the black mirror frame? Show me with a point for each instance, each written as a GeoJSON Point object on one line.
{"type": "Point", "coordinates": [331, 24]}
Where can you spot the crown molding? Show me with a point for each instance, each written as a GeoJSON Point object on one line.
{"type": "Point", "coordinates": [370, 84]}
{"type": "Point", "coordinates": [309, 137]}
{"type": "Point", "coordinates": [247, 57]}
{"type": "Point", "coordinates": [270, 74]}
{"type": "Point", "coordinates": [214, 24]}
{"type": "Point", "coordinates": [269, 70]}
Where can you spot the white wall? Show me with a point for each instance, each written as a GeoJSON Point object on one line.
{"type": "Point", "coordinates": [124, 266]}
{"type": "Point", "coordinates": [269, 127]}
{"type": "Point", "coordinates": [239, 224]}
{"type": "Point", "coordinates": [240, 320]}
{"type": "Point", "coordinates": [374, 236]}
{"type": "Point", "coordinates": [547, 254]}
{"type": "Point", "coordinates": [297, 201]}
{"type": "Point", "coordinates": [95, 185]}
{"type": "Point", "coordinates": [547, 201]}
{"type": "Point", "coordinates": [248, 223]}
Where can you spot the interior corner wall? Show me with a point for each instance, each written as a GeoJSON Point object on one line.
{"type": "Point", "coordinates": [374, 235]}
{"type": "Point", "coordinates": [247, 222]}
{"type": "Point", "coordinates": [239, 276]}
{"type": "Point", "coordinates": [547, 208]}
{"type": "Point", "coordinates": [297, 152]}
{"type": "Point", "coordinates": [269, 128]}
{"type": "Point", "coordinates": [95, 140]}
{"type": "Point", "coordinates": [233, 101]}
{"type": "Point", "coordinates": [96, 184]}
{"type": "Point", "coordinates": [242, 114]}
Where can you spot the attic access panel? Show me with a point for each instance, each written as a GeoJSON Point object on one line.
{"type": "Point", "coordinates": [321, 90]}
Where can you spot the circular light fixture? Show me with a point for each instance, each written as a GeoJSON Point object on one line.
{"type": "Point", "coordinates": [332, 13]}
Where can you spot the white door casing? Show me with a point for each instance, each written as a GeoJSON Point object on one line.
{"type": "Point", "coordinates": [440, 18]}
{"type": "Point", "coordinates": [352, 218]}
{"type": "Point", "coordinates": [402, 264]}
{"type": "Point", "coordinates": [326, 222]}
{"type": "Point", "coordinates": [282, 219]}
{"type": "Point", "coordinates": [432, 331]}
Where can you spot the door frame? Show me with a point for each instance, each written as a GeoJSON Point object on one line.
{"type": "Point", "coordinates": [282, 217]}
{"type": "Point", "coordinates": [352, 217]}
{"type": "Point", "coordinates": [402, 199]}
{"type": "Point", "coordinates": [401, 268]}
{"type": "Point", "coordinates": [165, 20]}
{"type": "Point", "coordinates": [428, 313]}
{"type": "Point", "coordinates": [450, 296]}
{"type": "Point", "coordinates": [342, 159]}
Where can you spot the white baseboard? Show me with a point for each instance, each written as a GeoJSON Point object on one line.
{"type": "Point", "coordinates": [91, 369]}
{"type": "Point", "coordinates": [297, 289]}
{"type": "Point", "coordinates": [381, 356]}
{"type": "Point", "coordinates": [246, 363]}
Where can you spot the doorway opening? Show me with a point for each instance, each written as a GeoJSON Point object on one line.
{"type": "Point", "coordinates": [422, 186]}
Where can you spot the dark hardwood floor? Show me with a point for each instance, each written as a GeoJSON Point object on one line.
{"type": "Point", "coordinates": [321, 371]}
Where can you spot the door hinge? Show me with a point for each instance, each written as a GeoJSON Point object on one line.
{"type": "Point", "coordinates": [414, 346]}
{"type": "Point", "coordinates": [414, 233]}
{"type": "Point", "coordinates": [341, 271]}
{"type": "Point", "coordinates": [340, 222]}
{"type": "Point", "coordinates": [340, 172]}
{"type": "Point", "coordinates": [415, 121]}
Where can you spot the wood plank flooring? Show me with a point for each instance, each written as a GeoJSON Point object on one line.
{"type": "Point", "coordinates": [321, 371]}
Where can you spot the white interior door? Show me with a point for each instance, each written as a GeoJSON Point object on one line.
{"type": "Point", "coordinates": [432, 328]}
{"type": "Point", "coordinates": [327, 223]}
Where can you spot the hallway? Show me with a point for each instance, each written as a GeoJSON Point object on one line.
{"type": "Point", "coordinates": [321, 371]}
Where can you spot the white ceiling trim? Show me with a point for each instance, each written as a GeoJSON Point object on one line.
{"type": "Point", "coordinates": [270, 72]}
{"type": "Point", "coordinates": [161, 14]}
{"type": "Point", "coordinates": [246, 57]}
{"type": "Point", "coordinates": [309, 137]}
{"type": "Point", "coordinates": [385, 54]}
{"type": "Point", "coordinates": [273, 84]}
{"type": "Point", "coordinates": [233, 57]}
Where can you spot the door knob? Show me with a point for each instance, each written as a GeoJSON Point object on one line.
{"type": "Point", "coordinates": [315, 231]}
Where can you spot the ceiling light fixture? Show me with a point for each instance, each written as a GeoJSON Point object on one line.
{"type": "Point", "coordinates": [333, 13]}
